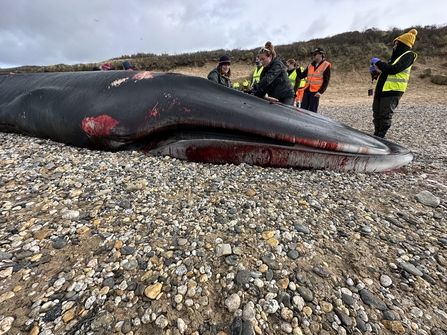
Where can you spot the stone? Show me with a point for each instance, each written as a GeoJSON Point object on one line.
{"type": "Point", "coordinates": [152, 291]}
{"type": "Point", "coordinates": [428, 199]}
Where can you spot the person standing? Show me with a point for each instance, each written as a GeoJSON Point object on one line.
{"type": "Point", "coordinates": [221, 74]}
{"type": "Point", "coordinates": [318, 75]}
{"type": "Point", "coordinates": [392, 81]}
{"type": "Point", "coordinates": [291, 72]}
{"type": "Point", "coordinates": [256, 75]}
{"type": "Point", "coordinates": [301, 84]}
{"type": "Point", "coordinates": [274, 81]}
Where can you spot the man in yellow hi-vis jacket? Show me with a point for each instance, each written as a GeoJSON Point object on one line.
{"type": "Point", "coordinates": [392, 81]}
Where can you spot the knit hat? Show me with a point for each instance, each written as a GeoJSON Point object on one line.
{"type": "Point", "coordinates": [105, 66]}
{"type": "Point", "coordinates": [224, 60]}
{"type": "Point", "coordinates": [408, 38]}
{"type": "Point", "coordinates": [127, 65]}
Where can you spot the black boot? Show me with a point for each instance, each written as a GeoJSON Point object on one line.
{"type": "Point", "coordinates": [382, 131]}
{"type": "Point", "coordinates": [376, 130]}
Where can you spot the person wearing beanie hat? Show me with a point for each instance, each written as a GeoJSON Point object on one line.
{"type": "Point", "coordinates": [392, 81]}
{"type": "Point", "coordinates": [221, 74]}
{"type": "Point", "coordinates": [408, 38]}
{"type": "Point", "coordinates": [127, 66]}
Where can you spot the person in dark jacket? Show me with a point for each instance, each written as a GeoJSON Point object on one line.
{"type": "Point", "coordinates": [318, 74]}
{"type": "Point", "coordinates": [274, 81]}
{"type": "Point", "coordinates": [392, 81]}
{"type": "Point", "coordinates": [221, 74]}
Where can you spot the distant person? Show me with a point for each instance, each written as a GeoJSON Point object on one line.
{"type": "Point", "coordinates": [274, 81]}
{"type": "Point", "coordinates": [96, 68]}
{"type": "Point", "coordinates": [318, 75]}
{"type": "Point", "coordinates": [221, 74]}
{"type": "Point", "coordinates": [291, 72]}
{"type": "Point", "coordinates": [256, 75]}
{"type": "Point", "coordinates": [392, 81]}
{"type": "Point", "coordinates": [301, 84]}
{"type": "Point", "coordinates": [127, 66]}
{"type": "Point", "coordinates": [105, 66]}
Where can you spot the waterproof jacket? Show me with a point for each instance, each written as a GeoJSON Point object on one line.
{"type": "Point", "coordinates": [274, 82]}
{"type": "Point", "coordinates": [318, 76]}
{"type": "Point", "coordinates": [397, 69]}
{"type": "Point", "coordinates": [215, 76]}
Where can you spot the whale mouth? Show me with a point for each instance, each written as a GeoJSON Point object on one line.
{"type": "Point", "coordinates": [170, 138]}
{"type": "Point", "coordinates": [223, 146]}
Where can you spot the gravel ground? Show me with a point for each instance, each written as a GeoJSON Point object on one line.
{"type": "Point", "coordinates": [97, 242]}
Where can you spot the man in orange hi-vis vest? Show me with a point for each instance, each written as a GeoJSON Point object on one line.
{"type": "Point", "coordinates": [318, 74]}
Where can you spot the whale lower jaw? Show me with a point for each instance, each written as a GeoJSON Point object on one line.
{"type": "Point", "coordinates": [278, 156]}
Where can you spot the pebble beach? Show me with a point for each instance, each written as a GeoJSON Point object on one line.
{"type": "Point", "coordinates": [95, 242]}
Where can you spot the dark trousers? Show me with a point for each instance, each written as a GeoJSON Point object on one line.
{"type": "Point", "coordinates": [310, 102]}
{"type": "Point", "coordinates": [383, 110]}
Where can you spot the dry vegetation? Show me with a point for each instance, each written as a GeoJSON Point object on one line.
{"type": "Point", "coordinates": [349, 52]}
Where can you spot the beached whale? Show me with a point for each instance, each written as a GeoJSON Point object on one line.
{"type": "Point", "coordinates": [185, 117]}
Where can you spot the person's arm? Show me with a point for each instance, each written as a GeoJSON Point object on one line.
{"type": "Point", "coordinates": [404, 62]}
{"type": "Point", "coordinates": [297, 83]}
{"type": "Point", "coordinates": [213, 76]}
{"type": "Point", "coordinates": [301, 74]}
{"type": "Point", "coordinates": [326, 78]}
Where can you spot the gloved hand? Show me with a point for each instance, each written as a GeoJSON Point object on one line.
{"type": "Point", "coordinates": [374, 60]}
{"type": "Point", "coordinates": [372, 69]}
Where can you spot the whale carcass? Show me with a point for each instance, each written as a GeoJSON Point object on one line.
{"type": "Point", "coordinates": [186, 117]}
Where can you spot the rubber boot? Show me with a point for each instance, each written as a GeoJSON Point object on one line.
{"type": "Point", "coordinates": [382, 131]}
{"type": "Point", "coordinates": [376, 130]}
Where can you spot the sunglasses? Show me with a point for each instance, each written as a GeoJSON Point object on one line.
{"type": "Point", "coordinates": [264, 50]}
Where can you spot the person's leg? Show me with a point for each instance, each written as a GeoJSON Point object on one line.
{"type": "Point", "coordinates": [376, 114]}
{"type": "Point", "coordinates": [306, 100]}
{"type": "Point", "coordinates": [386, 112]}
{"type": "Point", "coordinates": [314, 102]}
{"type": "Point", "coordinates": [299, 96]}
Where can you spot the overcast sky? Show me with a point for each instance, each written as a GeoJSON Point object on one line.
{"type": "Point", "coordinates": [49, 32]}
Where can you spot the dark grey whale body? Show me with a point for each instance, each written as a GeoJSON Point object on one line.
{"type": "Point", "coordinates": [186, 117]}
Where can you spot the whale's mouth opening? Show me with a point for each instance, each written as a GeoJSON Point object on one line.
{"type": "Point", "coordinates": [221, 146]}
{"type": "Point", "coordinates": [171, 136]}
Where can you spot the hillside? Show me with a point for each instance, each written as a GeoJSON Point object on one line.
{"type": "Point", "coordinates": [347, 51]}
